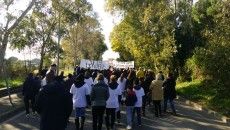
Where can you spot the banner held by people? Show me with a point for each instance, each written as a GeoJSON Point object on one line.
{"type": "Point", "coordinates": [92, 64]}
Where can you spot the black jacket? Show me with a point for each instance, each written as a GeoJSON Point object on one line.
{"type": "Point", "coordinates": [169, 87]}
{"type": "Point", "coordinates": [29, 88]}
{"type": "Point", "coordinates": [54, 105]}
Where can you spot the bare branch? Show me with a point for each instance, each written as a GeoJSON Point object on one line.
{"type": "Point", "coordinates": [15, 24]}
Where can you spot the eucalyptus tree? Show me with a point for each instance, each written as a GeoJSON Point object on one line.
{"type": "Point", "coordinates": [11, 21]}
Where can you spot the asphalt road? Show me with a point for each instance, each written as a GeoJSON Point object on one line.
{"type": "Point", "coordinates": [188, 119]}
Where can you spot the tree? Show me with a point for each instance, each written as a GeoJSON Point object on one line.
{"type": "Point", "coordinates": [148, 38]}
{"type": "Point", "coordinates": [11, 23]}
{"type": "Point", "coordinates": [85, 40]}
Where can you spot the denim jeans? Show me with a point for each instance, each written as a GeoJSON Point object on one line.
{"type": "Point", "coordinates": [129, 114]}
{"type": "Point", "coordinates": [137, 110]}
{"type": "Point", "coordinates": [171, 105]}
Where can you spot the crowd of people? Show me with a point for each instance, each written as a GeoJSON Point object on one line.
{"type": "Point", "coordinates": [54, 96]}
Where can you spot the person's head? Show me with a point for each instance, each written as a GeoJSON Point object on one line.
{"type": "Point", "coordinates": [87, 74]}
{"type": "Point", "coordinates": [30, 75]}
{"type": "Point", "coordinates": [113, 78]}
{"type": "Point", "coordinates": [170, 75]}
{"type": "Point", "coordinates": [136, 81]}
{"type": "Point", "coordinates": [50, 76]}
{"type": "Point", "coordinates": [62, 73]}
{"type": "Point", "coordinates": [80, 78]}
{"type": "Point", "coordinates": [159, 77]}
{"type": "Point", "coordinates": [53, 67]}
{"type": "Point", "coordinates": [130, 88]}
{"type": "Point", "coordinates": [100, 77]}
{"type": "Point", "coordinates": [70, 76]}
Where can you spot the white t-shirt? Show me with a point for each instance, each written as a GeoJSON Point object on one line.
{"type": "Point", "coordinates": [122, 84]}
{"type": "Point", "coordinates": [112, 102]}
{"type": "Point", "coordinates": [139, 94]}
{"type": "Point", "coordinates": [79, 95]}
{"type": "Point", "coordinates": [89, 82]}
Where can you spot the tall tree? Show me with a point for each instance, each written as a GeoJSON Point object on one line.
{"type": "Point", "coordinates": [85, 40]}
{"type": "Point", "coordinates": [148, 38]}
{"type": "Point", "coordinates": [11, 23]}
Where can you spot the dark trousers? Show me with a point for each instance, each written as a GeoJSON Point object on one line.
{"type": "Point", "coordinates": [171, 105]}
{"type": "Point", "coordinates": [157, 105]}
{"type": "Point", "coordinates": [110, 117]}
{"type": "Point", "coordinates": [118, 114]}
{"type": "Point", "coordinates": [27, 100]}
{"type": "Point", "coordinates": [144, 104]}
{"type": "Point", "coordinates": [137, 110]}
{"type": "Point", "coordinates": [98, 112]}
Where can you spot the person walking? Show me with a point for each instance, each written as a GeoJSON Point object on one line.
{"type": "Point", "coordinates": [99, 96]}
{"type": "Point", "coordinates": [121, 84]}
{"type": "Point", "coordinates": [130, 101]}
{"type": "Point", "coordinates": [29, 92]}
{"type": "Point", "coordinates": [54, 105]}
{"type": "Point", "coordinates": [169, 87]}
{"type": "Point", "coordinates": [81, 99]}
{"type": "Point", "coordinates": [112, 103]}
{"type": "Point", "coordinates": [157, 94]}
{"type": "Point", "coordinates": [88, 80]}
{"type": "Point", "coordinates": [139, 91]}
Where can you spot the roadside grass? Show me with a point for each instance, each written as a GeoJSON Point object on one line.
{"type": "Point", "coordinates": [12, 82]}
{"type": "Point", "coordinates": [206, 95]}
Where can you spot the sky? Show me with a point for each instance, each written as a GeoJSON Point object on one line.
{"type": "Point", "coordinates": [107, 23]}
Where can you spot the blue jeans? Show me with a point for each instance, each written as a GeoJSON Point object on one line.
{"type": "Point", "coordinates": [138, 111]}
{"type": "Point", "coordinates": [171, 105]}
{"type": "Point", "coordinates": [129, 114]}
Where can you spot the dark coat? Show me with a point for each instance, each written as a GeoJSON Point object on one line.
{"type": "Point", "coordinates": [29, 88]}
{"type": "Point", "coordinates": [99, 94]}
{"type": "Point", "coordinates": [169, 87]}
{"type": "Point", "coordinates": [54, 105]}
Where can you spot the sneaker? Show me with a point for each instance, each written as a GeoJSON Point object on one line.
{"type": "Point", "coordinates": [128, 127]}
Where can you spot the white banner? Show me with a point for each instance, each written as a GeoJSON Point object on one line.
{"type": "Point", "coordinates": [101, 65]}
{"type": "Point", "coordinates": [123, 65]}
{"type": "Point", "coordinates": [92, 64]}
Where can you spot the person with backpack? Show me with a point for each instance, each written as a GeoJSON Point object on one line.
{"type": "Point", "coordinates": [81, 99]}
{"type": "Point", "coordinates": [99, 96]}
{"type": "Point", "coordinates": [112, 103]}
{"type": "Point", "coordinates": [130, 101]}
{"type": "Point", "coordinates": [139, 91]}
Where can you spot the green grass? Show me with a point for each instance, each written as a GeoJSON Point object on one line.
{"type": "Point", "coordinates": [13, 83]}
{"type": "Point", "coordinates": [204, 94]}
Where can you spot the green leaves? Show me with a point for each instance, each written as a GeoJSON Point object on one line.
{"type": "Point", "coordinates": [145, 33]}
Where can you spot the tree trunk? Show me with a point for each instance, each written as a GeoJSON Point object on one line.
{"type": "Point", "coordinates": [42, 54]}
{"type": "Point", "coordinates": [2, 54]}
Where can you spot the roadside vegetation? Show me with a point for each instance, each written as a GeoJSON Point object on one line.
{"type": "Point", "coordinates": [198, 91]}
